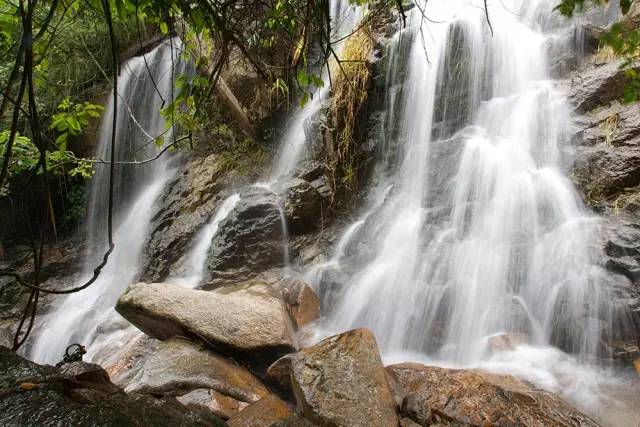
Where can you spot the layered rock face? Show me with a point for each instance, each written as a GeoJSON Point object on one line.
{"type": "Point", "coordinates": [607, 173]}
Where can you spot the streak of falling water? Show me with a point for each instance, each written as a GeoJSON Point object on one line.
{"type": "Point", "coordinates": [88, 317]}
{"type": "Point", "coordinates": [344, 17]}
{"type": "Point", "coordinates": [483, 232]}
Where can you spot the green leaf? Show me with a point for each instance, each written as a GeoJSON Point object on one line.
{"type": "Point", "coordinates": [164, 29]}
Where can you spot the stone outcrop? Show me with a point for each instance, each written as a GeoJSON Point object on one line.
{"type": "Point", "coordinates": [435, 396]}
{"type": "Point", "coordinates": [248, 320]}
{"type": "Point", "coordinates": [598, 86]}
{"type": "Point", "coordinates": [250, 239]}
{"type": "Point", "coordinates": [81, 394]}
{"type": "Point", "coordinates": [187, 204]}
{"type": "Point", "coordinates": [341, 382]}
{"type": "Point", "coordinates": [200, 378]}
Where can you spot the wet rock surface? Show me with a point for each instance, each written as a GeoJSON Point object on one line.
{"type": "Point", "coordinates": [250, 239]}
{"type": "Point", "coordinates": [179, 365]}
{"type": "Point", "coordinates": [341, 382]}
{"type": "Point", "coordinates": [263, 413]}
{"type": "Point", "coordinates": [438, 396]}
{"type": "Point", "coordinates": [248, 320]}
{"type": "Point", "coordinates": [187, 205]}
{"type": "Point", "coordinates": [81, 394]}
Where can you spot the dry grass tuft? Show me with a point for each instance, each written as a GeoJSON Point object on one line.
{"type": "Point", "coordinates": [351, 80]}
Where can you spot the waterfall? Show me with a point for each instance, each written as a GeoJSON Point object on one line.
{"type": "Point", "coordinates": [88, 317]}
{"type": "Point", "coordinates": [198, 254]}
{"type": "Point", "coordinates": [344, 18]}
{"type": "Point", "coordinates": [482, 232]}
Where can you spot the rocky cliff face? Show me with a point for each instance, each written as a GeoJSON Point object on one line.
{"type": "Point", "coordinates": [607, 173]}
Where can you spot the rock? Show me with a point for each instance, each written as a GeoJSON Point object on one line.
{"type": "Point", "coordinates": [602, 171]}
{"type": "Point", "coordinates": [598, 86]}
{"type": "Point", "coordinates": [186, 205]}
{"type": "Point", "coordinates": [250, 321]}
{"type": "Point", "coordinates": [622, 247]}
{"type": "Point", "coordinates": [471, 397]}
{"type": "Point", "coordinates": [81, 395]}
{"type": "Point", "coordinates": [179, 366]}
{"type": "Point", "coordinates": [250, 239]}
{"type": "Point", "coordinates": [279, 374]}
{"type": "Point", "coordinates": [506, 341]}
{"type": "Point", "coordinates": [263, 413]}
{"type": "Point", "coordinates": [339, 380]}
{"type": "Point", "coordinates": [219, 404]}
{"type": "Point", "coordinates": [303, 206]}
{"type": "Point", "coordinates": [302, 302]}
{"type": "Point", "coordinates": [616, 125]}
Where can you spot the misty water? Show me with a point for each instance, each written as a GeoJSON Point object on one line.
{"type": "Point", "coordinates": [88, 317]}
{"type": "Point", "coordinates": [472, 229]}
{"type": "Point", "coordinates": [481, 234]}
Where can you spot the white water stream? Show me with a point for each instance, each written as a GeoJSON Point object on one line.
{"type": "Point", "coordinates": [482, 233]}
{"type": "Point", "coordinates": [88, 317]}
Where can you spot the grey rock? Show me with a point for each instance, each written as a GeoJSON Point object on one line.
{"type": "Point", "coordinates": [187, 204]}
{"type": "Point", "coordinates": [598, 86]}
{"type": "Point", "coordinates": [250, 239]}
{"type": "Point", "coordinates": [249, 320]}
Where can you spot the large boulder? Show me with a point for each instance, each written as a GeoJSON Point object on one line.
{"type": "Point", "coordinates": [181, 367]}
{"type": "Point", "coordinates": [81, 394]}
{"type": "Point", "coordinates": [432, 395]}
{"type": "Point", "coordinates": [250, 239]}
{"type": "Point", "coordinates": [341, 382]}
{"type": "Point", "coordinates": [250, 321]}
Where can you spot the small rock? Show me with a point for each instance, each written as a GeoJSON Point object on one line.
{"type": "Point", "coordinates": [339, 380]}
{"type": "Point", "coordinates": [302, 302]}
{"type": "Point", "coordinates": [263, 413]}
{"type": "Point", "coordinates": [279, 373]}
{"type": "Point", "coordinates": [506, 341]}
{"type": "Point", "coordinates": [251, 321]}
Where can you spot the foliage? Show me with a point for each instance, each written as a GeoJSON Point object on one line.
{"type": "Point", "coordinates": [26, 157]}
{"type": "Point", "coordinates": [623, 38]}
{"type": "Point", "coordinates": [71, 119]}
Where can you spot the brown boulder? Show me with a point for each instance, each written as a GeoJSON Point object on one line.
{"type": "Point", "coordinates": [179, 366]}
{"type": "Point", "coordinates": [250, 321]}
{"type": "Point", "coordinates": [341, 382]}
{"type": "Point", "coordinates": [279, 373]}
{"type": "Point", "coordinates": [263, 413]}
{"type": "Point", "coordinates": [302, 302]}
{"type": "Point", "coordinates": [472, 397]}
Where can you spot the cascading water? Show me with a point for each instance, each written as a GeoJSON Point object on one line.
{"type": "Point", "coordinates": [345, 17]}
{"type": "Point", "coordinates": [482, 232]}
{"type": "Point", "coordinates": [88, 317]}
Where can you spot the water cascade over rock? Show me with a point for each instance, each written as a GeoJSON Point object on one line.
{"type": "Point", "coordinates": [88, 316]}
{"type": "Point", "coordinates": [481, 232]}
